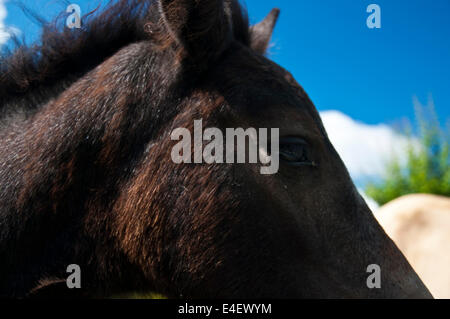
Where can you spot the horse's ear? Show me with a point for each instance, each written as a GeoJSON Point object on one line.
{"type": "Point", "coordinates": [201, 28]}
{"type": "Point", "coordinates": [261, 33]}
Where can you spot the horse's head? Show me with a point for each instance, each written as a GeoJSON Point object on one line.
{"type": "Point", "coordinates": [226, 230]}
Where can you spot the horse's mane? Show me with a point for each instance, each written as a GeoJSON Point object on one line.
{"type": "Point", "coordinates": [65, 55]}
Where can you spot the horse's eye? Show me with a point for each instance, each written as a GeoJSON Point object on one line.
{"type": "Point", "coordinates": [294, 151]}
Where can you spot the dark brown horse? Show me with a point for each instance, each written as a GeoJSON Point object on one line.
{"type": "Point", "coordinates": [87, 177]}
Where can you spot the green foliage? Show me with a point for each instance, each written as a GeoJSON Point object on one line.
{"type": "Point", "coordinates": [427, 166]}
{"type": "Point", "coordinates": [139, 295]}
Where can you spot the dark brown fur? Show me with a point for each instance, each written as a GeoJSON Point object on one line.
{"type": "Point", "coordinates": [87, 178]}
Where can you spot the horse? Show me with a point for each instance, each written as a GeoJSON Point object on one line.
{"type": "Point", "coordinates": [87, 177]}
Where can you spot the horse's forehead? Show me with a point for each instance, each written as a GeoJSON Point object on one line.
{"type": "Point", "coordinates": [250, 71]}
{"type": "Point", "coordinates": [252, 83]}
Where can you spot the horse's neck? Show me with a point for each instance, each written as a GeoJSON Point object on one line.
{"type": "Point", "coordinates": [65, 161]}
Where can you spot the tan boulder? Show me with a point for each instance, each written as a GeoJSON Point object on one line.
{"type": "Point", "coordinates": [420, 226]}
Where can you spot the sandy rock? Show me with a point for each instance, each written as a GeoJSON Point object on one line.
{"type": "Point", "coordinates": [420, 226]}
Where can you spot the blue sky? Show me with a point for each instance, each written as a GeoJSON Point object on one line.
{"type": "Point", "coordinates": [369, 74]}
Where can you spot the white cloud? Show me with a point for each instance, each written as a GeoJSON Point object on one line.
{"type": "Point", "coordinates": [363, 148]}
{"type": "Point", "coordinates": [5, 31]}
{"type": "Point", "coordinates": [3, 35]}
